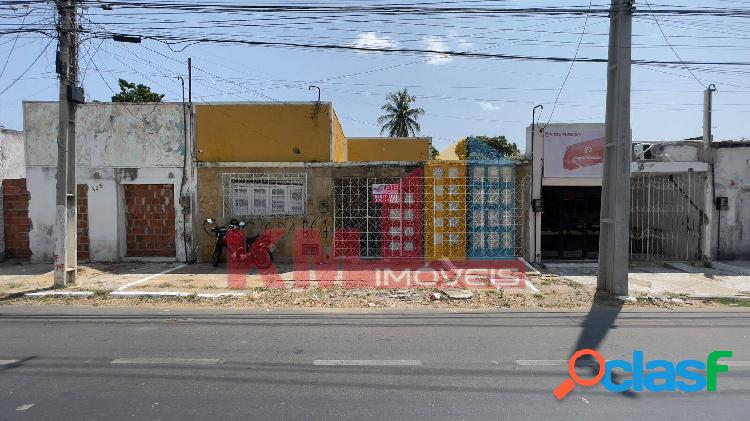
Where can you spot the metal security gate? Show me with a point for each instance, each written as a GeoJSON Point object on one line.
{"type": "Point", "coordinates": [379, 216]}
{"type": "Point", "coordinates": [667, 216]}
{"type": "Point", "coordinates": [491, 211]}
{"type": "Point", "coordinates": [436, 212]}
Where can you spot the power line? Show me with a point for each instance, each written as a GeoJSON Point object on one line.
{"type": "Point", "coordinates": [27, 69]}
{"type": "Point", "coordinates": [7, 60]}
{"type": "Point", "coordinates": [420, 51]}
{"type": "Point", "coordinates": [671, 47]}
{"type": "Point", "coordinates": [570, 68]}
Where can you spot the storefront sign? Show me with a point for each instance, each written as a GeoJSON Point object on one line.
{"type": "Point", "coordinates": [574, 152]}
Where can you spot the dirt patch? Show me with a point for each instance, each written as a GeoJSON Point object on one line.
{"type": "Point", "coordinates": [554, 293]}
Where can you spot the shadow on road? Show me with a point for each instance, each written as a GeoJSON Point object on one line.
{"type": "Point", "coordinates": [598, 322]}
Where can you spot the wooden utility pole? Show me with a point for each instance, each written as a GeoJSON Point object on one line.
{"type": "Point", "coordinates": [614, 238]}
{"type": "Point", "coordinates": [65, 218]}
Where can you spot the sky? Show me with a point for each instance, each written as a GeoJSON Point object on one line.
{"type": "Point", "coordinates": [461, 96]}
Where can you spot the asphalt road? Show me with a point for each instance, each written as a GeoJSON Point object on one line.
{"type": "Point", "coordinates": [114, 363]}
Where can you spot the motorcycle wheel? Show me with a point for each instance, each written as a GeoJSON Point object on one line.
{"type": "Point", "coordinates": [263, 259]}
{"type": "Point", "coordinates": [216, 255]}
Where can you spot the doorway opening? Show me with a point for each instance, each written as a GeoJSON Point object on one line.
{"type": "Point", "coordinates": [570, 222]}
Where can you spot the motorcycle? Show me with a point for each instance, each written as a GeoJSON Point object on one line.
{"type": "Point", "coordinates": [255, 250]}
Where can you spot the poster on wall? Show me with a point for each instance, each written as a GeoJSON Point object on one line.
{"type": "Point", "coordinates": [573, 152]}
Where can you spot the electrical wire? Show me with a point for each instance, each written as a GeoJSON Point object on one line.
{"type": "Point", "coordinates": [672, 48]}
{"type": "Point", "coordinates": [570, 69]}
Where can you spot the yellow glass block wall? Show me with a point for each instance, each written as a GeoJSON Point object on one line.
{"type": "Point", "coordinates": [445, 210]}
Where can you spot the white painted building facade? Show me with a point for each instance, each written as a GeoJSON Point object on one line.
{"type": "Point", "coordinates": [117, 144]}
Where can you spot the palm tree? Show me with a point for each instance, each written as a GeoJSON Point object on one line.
{"type": "Point", "coordinates": [400, 119]}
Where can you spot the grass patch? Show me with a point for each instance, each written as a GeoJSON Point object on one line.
{"type": "Point", "coordinates": [734, 302]}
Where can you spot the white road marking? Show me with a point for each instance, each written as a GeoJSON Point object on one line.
{"type": "Point", "coordinates": [8, 362]}
{"type": "Point", "coordinates": [25, 407]}
{"type": "Point", "coordinates": [126, 286]}
{"type": "Point", "coordinates": [531, 286]}
{"type": "Point", "coordinates": [201, 361]}
{"type": "Point", "coordinates": [174, 294]}
{"type": "Point", "coordinates": [541, 362]}
{"type": "Point", "coordinates": [399, 363]}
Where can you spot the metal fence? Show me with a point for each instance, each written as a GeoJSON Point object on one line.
{"type": "Point", "coordinates": [447, 209]}
{"type": "Point", "coordinates": [667, 216]}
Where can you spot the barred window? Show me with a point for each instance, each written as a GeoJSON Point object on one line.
{"type": "Point", "coordinates": [264, 194]}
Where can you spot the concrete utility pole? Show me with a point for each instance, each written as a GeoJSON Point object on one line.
{"type": "Point", "coordinates": [66, 260]}
{"type": "Point", "coordinates": [707, 109]}
{"type": "Point", "coordinates": [614, 238]}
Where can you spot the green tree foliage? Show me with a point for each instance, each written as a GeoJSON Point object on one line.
{"type": "Point", "coordinates": [506, 148]}
{"type": "Point", "coordinates": [400, 118]}
{"type": "Point", "coordinates": [130, 92]}
{"type": "Point", "coordinates": [434, 152]}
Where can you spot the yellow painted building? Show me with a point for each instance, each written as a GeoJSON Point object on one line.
{"type": "Point", "coordinates": [266, 132]}
{"type": "Point", "coordinates": [370, 149]}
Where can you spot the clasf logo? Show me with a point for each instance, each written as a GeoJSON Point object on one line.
{"type": "Point", "coordinates": [653, 375]}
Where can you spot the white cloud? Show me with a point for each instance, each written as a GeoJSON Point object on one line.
{"type": "Point", "coordinates": [488, 106]}
{"type": "Point", "coordinates": [436, 44]}
{"type": "Point", "coordinates": [463, 44]}
{"type": "Point", "coordinates": [373, 40]}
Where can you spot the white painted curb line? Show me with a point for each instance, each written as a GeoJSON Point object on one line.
{"type": "Point", "coordinates": [174, 294]}
{"type": "Point", "coordinates": [126, 286]}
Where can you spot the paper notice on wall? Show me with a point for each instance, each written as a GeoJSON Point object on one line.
{"type": "Point", "coordinates": [385, 193]}
{"type": "Point", "coordinates": [573, 152]}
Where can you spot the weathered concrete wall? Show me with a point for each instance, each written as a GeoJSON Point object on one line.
{"type": "Point", "coordinates": [732, 179]}
{"type": "Point", "coordinates": [678, 151]}
{"type": "Point", "coordinates": [12, 156]}
{"type": "Point", "coordinates": [319, 206]}
{"type": "Point", "coordinates": [109, 134]}
{"type": "Point", "coordinates": [117, 144]}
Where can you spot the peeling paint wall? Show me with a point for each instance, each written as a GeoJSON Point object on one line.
{"type": "Point", "coordinates": [319, 207]}
{"type": "Point", "coordinates": [116, 144]}
{"type": "Point", "coordinates": [732, 180]}
{"type": "Point", "coordinates": [12, 157]}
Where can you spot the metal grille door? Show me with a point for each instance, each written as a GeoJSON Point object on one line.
{"type": "Point", "coordinates": [667, 216]}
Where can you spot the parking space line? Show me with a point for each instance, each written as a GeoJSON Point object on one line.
{"type": "Point", "coordinates": [380, 363]}
{"type": "Point", "coordinates": [200, 361]}
{"type": "Point", "coordinates": [148, 278]}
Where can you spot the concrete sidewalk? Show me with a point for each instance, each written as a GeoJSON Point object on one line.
{"type": "Point", "coordinates": [723, 280]}
{"type": "Point", "coordinates": [561, 284]}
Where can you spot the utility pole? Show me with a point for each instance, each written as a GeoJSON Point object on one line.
{"type": "Point", "coordinates": [614, 238]}
{"type": "Point", "coordinates": [708, 154]}
{"type": "Point", "coordinates": [190, 81]}
{"type": "Point", "coordinates": [66, 260]}
{"type": "Point", "coordinates": [707, 109]}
